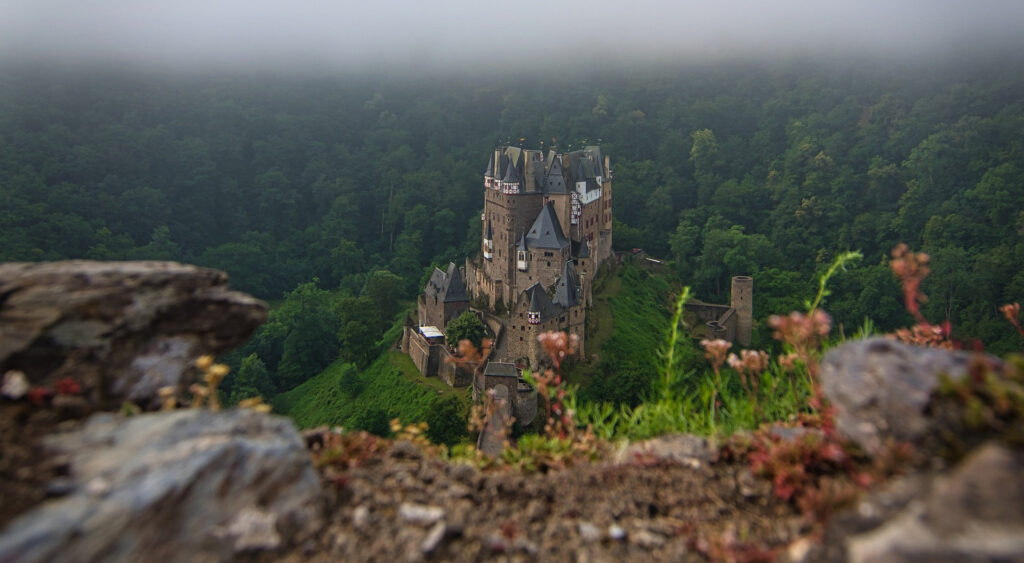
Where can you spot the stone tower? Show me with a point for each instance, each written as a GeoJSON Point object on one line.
{"type": "Point", "coordinates": [743, 303]}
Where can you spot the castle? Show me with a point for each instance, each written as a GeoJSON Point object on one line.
{"type": "Point", "coordinates": [546, 227]}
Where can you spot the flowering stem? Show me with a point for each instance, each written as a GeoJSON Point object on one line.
{"type": "Point", "coordinates": [838, 264]}
{"type": "Point", "coordinates": [677, 315]}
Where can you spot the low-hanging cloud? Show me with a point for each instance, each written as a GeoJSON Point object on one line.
{"type": "Point", "coordinates": [454, 32]}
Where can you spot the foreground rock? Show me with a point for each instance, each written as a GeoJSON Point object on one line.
{"type": "Point", "coordinates": [881, 388]}
{"type": "Point", "coordinates": [121, 329]}
{"type": "Point", "coordinates": [946, 508]}
{"type": "Point", "coordinates": [186, 485]}
{"type": "Point", "coordinates": [973, 513]}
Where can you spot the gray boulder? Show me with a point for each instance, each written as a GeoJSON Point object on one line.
{"type": "Point", "coordinates": [974, 513]}
{"type": "Point", "coordinates": [188, 485]}
{"type": "Point", "coordinates": [122, 330]}
{"type": "Point", "coordinates": [881, 388]}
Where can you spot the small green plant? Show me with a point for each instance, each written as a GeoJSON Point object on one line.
{"type": "Point", "coordinates": [838, 265]}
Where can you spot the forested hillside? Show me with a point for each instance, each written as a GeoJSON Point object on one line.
{"type": "Point", "coordinates": [342, 191]}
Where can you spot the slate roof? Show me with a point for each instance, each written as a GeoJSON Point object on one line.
{"type": "Point", "coordinates": [501, 369]}
{"type": "Point", "coordinates": [512, 174]}
{"type": "Point", "coordinates": [545, 232]}
{"type": "Point", "coordinates": [502, 165]}
{"type": "Point", "coordinates": [541, 303]}
{"type": "Point", "coordinates": [581, 249]}
{"type": "Point", "coordinates": [537, 185]}
{"type": "Point", "coordinates": [447, 287]}
{"type": "Point", "coordinates": [567, 292]}
{"type": "Point", "coordinates": [586, 166]}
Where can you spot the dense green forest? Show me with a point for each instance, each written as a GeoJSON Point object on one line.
{"type": "Point", "coordinates": [333, 196]}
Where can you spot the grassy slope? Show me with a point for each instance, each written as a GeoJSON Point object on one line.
{"type": "Point", "coordinates": [391, 384]}
{"type": "Point", "coordinates": [628, 324]}
{"type": "Point", "coordinates": [631, 314]}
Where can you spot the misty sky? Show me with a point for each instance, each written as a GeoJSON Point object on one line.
{"type": "Point", "coordinates": [455, 32]}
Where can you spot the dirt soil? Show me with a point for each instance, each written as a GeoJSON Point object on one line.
{"type": "Point", "coordinates": [403, 504]}
{"type": "Point", "coordinates": [408, 506]}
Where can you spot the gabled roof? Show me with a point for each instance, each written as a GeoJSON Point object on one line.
{"type": "Point", "coordinates": [447, 287]}
{"type": "Point", "coordinates": [540, 302]}
{"type": "Point", "coordinates": [567, 292]}
{"type": "Point", "coordinates": [546, 232]}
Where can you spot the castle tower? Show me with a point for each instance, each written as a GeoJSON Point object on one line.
{"type": "Point", "coordinates": [743, 303]}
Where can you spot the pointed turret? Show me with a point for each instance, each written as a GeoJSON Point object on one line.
{"type": "Point", "coordinates": [521, 247]}
{"type": "Point", "coordinates": [511, 174]}
{"type": "Point", "coordinates": [546, 232]}
{"type": "Point", "coordinates": [567, 293]}
{"type": "Point", "coordinates": [455, 289]}
{"type": "Point", "coordinates": [555, 181]}
{"type": "Point", "coordinates": [489, 173]}
{"type": "Point", "coordinates": [540, 308]}
{"type": "Point", "coordinates": [533, 313]}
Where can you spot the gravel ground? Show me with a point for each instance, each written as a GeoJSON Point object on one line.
{"type": "Point", "coordinates": [405, 506]}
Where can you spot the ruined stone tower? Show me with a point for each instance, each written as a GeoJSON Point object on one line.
{"type": "Point", "coordinates": [743, 302]}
